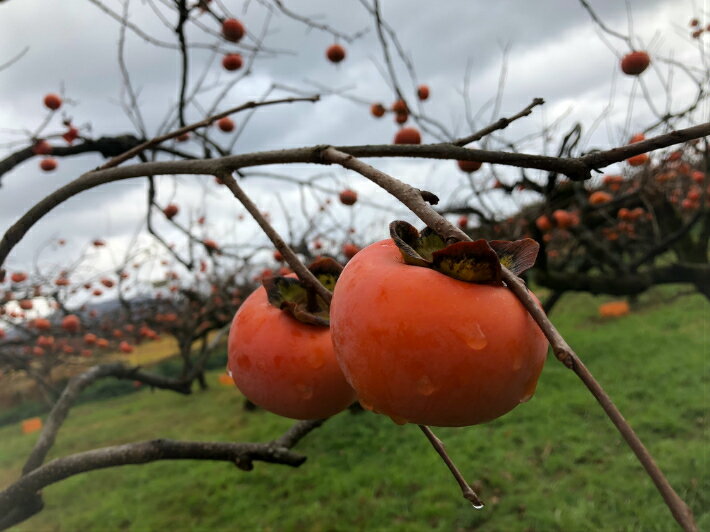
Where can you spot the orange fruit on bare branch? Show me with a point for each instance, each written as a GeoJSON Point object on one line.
{"type": "Point", "coordinates": [408, 135]}
{"type": "Point", "coordinates": [232, 62]}
{"type": "Point", "coordinates": [233, 30]}
{"type": "Point", "coordinates": [280, 351]}
{"type": "Point", "coordinates": [48, 164]}
{"type": "Point", "coordinates": [469, 166]}
{"type": "Point", "coordinates": [225, 124]}
{"type": "Point", "coordinates": [426, 333]}
{"type": "Point", "coordinates": [170, 211]}
{"type": "Point", "coordinates": [634, 63]}
{"type": "Point", "coordinates": [348, 197]}
{"type": "Point", "coordinates": [377, 110]}
{"type": "Point", "coordinates": [52, 101]}
{"type": "Point", "coordinates": [335, 53]}
{"type": "Point", "coordinates": [423, 92]}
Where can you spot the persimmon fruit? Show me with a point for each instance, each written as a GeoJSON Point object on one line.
{"type": "Point", "coordinates": [469, 166]}
{"type": "Point", "coordinates": [48, 164]}
{"type": "Point", "coordinates": [423, 92]}
{"type": "Point", "coordinates": [233, 30]}
{"type": "Point", "coordinates": [52, 101]}
{"type": "Point", "coordinates": [232, 62]}
{"type": "Point", "coordinates": [348, 197]}
{"type": "Point", "coordinates": [283, 365]}
{"type": "Point", "coordinates": [408, 135]}
{"type": "Point", "coordinates": [335, 53]}
{"type": "Point", "coordinates": [225, 124]}
{"type": "Point", "coordinates": [423, 347]}
{"type": "Point", "coordinates": [634, 63]}
{"type": "Point", "coordinates": [638, 160]}
{"type": "Point", "coordinates": [171, 210]}
{"type": "Point", "coordinates": [377, 110]}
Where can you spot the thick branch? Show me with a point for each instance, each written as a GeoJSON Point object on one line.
{"type": "Point", "coordinates": [240, 454]}
{"type": "Point", "coordinates": [574, 168]}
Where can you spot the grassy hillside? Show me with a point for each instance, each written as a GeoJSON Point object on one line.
{"type": "Point", "coordinates": [554, 463]}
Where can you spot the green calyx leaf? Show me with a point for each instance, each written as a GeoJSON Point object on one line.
{"type": "Point", "coordinates": [299, 301]}
{"type": "Point", "coordinates": [473, 262]}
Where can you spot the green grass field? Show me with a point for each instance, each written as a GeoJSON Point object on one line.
{"type": "Point", "coordinates": [554, 463]}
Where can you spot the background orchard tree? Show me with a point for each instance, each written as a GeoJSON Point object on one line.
{"type": "Point", "coordinates": [230, 114]}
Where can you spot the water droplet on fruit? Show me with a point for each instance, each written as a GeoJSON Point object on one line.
{"type": "Point", "coordinates": [315, 359]}
{"type": "Point", "coordinates": [425, 386]}
{"type": "Point", "coordinates": [398, 420]}
{"type": "Point", "coordinates": [305, 391]}
{"type": "Point", "coordinates": [529, 390]}
{"type": "Point", "coordinates": [477, 506]}
{"type": "Point", "coordinates": [476, 338]}
{"type": "Point", "coordinates": [243, 362]}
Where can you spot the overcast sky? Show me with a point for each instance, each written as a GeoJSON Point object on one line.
{"type": "Point", "coordinates": [554, 52]}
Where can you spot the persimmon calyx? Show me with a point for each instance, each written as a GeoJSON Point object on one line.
{"type": "Point", "coordinates": [299, 300]}
{"type": "Point", "coordinates": [474, 262]}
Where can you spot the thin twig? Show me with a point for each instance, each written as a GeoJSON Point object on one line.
{"type": "Point", "coordinates": [303, 273]}
{"type": "Point", "coordinates": [466, 489]}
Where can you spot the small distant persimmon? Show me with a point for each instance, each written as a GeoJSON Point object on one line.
{"type": "Point", "coordinates": [48, 164]}
{"type": "Point", "coordinates": [335, 53]}
{"type": "Point", "coordinates": [469, 166]}
{"type": "Point", "coordinates": [348, 197]}
{"type": "Point", "coordinates": [226, 124]}
{"type": "Point", "coordinates": [71, 323]}
{"type": "Point", "coordinates": [232, 62]}
{"type": "Point", "coordinates": [377, 110]}
{"type": "Point", "coordinates": [170, 211]}
{"type": "Point", "coordinates": [408, 135]}
{"type": "Point", "coordinates": [423, 92]}
{"type": "Point", "coordinates": [638, 160]}
{"type": "Point", "coordinates": [42, 147]}
{"type": "Point", "coordinates": [52, 101]}
{"type": "Point", "coordinates": [233, 30]}
{"type": "Point", "coordinates": [599, 197]}
{"type": "Point", "coordinates": [635, 63]}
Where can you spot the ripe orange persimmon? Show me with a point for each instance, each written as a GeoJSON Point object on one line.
{"type": "Point", "coordinates": [422, 347]}
{"type": "Point", "coordinates": [408, 135]}
{"type": "Point", "coordinates": [377, 110]}
{"type": "Point", "coordinates": [543, 223]}
{"type": "Point", "coordinates": [598, 197]}
{"type": "Point", "coordinates": [48, 164]}
{"type": "Point", "coordinates": [52, 101]}
{"type": "Point", "coordinates": [635, 63]}
{"type": "Point", "coordinates": [335, 53]}
{"type": "Point", "coordinates": [638, 160]}
{"type": "Point", "coordinates": [400, 106]}
{"type": "Point", "coordinates": [71, 323]}
{"type": "Point", "coordinates": [226, 124]}
{"type": "Point", "coordinates": [469, 166]}
{"type": "Point", "coordinates": [42, 147]}
{"type": "Point", "coordinates": [423, 92]}
{"type": "Point", "coordinates": [232, 30]}
{"type": "Point", "coordinates": [283, 365]}
{"type": "Point", "coordinates": [170, 211]}
{"type": "Point", "coordinates": [348, 197]}
{"type": "Point", "coordinates": [18, 277]}
{"type": "Point", "coordinates": [232, 62]}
